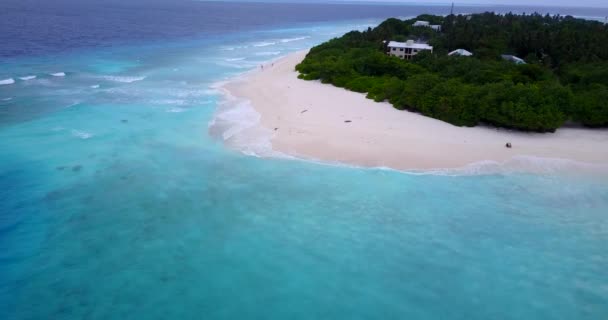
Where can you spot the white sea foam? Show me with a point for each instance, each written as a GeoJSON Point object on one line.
{"type": "Point", "coordinates": [7, 81]}
{"type": "Point", "coordinates": [268, 53]}
{"type": "Point", "coordinates": [231, 48]}
{"type": "Point", "coordinates": [517, 164]}
{"type": "Point", "coordinates": [26, 78]}
{"type": "Point", "coordinates": [81, 134]}
{"type": "Point", "coordinates": [219, 85]}
{"type": "Point", "coordinates": [237, 64]}
{"type": "Point", "coordinates": [235, 59]}
{"type": "Point", "coordinates": [193, 93]}
{"type": "Point", "coordinates": [210, 92]}
{"type": "Point", "coordinates": [124, 79]}
{"type": "Point", "coordinates": [176, 110]}
{"type": "Point", "coordinates": [95, 86]}
{"type": "Point", "coordinates": [264, 44]}
{"type": "Point", "coordinates": [169, 102]}
{"type": "Point", "coordinates": [7, 99]}
{"type": "Point", "coordinates": [58, 74]}
{"type": "Point", "coordinates": [294, 39]}
{"type": "Point", "coordinates": [241, 116]}
{"type": "Point", "coordinates": [236, 123]}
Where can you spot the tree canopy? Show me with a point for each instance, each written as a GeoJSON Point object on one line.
{"type": "Point", "coordinates": [565, 77]}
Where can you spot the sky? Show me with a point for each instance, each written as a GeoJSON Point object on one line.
{"type": "Point", "coordinates": [553, 3]}
{"type": "Point", "coordinates": [570, 3]}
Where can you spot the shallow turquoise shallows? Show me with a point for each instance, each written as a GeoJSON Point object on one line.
{"type": "Point", "coordinates": [117, 203]}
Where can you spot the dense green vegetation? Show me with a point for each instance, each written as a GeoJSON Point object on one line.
{"type": "Point", "coordinates": [565, 78]}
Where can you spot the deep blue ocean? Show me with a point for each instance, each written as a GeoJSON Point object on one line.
{"type": "Point", "coordinates": [116, 201]}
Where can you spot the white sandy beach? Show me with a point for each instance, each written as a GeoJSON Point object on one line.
{"type": "Point", "coordinates": [308, 119]}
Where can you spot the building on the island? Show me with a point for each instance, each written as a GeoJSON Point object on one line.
{"type": "Point", "coordinates": [513, 59]}
{"type": "Point", "coordinates": [406, 50]}
{"type": "Point", "coordinates": [421, 23]}
{"type": "Point", "coordinates": [460, 52]}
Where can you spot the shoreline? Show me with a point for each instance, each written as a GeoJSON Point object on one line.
{"type": "Point", "coordinates": [271, 112]}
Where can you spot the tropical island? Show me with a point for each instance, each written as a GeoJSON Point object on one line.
{"type": "Point", "coordinates": [434, 92]}
{"type": "Point", "coordinates": [527, 72]}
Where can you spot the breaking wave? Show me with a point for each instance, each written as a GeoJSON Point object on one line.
{"type": "Point", "coordinates": [124, 79]}
{"type": "Point", "coordinates": [26, 78]}
{"type": "Point", "coordinates": [176, 110]}
{"type": "Point", "coordinates": [58, 74]}
{"type": "Point", "coordinates": [239, 64]}
{"type": "Point", "coordinates": [233, 48]}
{"type": "Point", "coordinates": [264, 44]}
{"type": "Point", "coordinates": [294, 39]}
{"type": "Point", "coordinates": [81, 134]}
{"type": "Point", "coordinates": [236, 123]}
{"type": "Point", "coordinates": [7, 81]}
{"type": "Point", "coordinates": [169, 102]}
{"type": "Point", "coordinates": [268, 53]}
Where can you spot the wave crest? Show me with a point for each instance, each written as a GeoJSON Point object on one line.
{"type": "Point", "coordinates": [268, 53]}
{"type": "Point", "coordinates": [81, 134]}
{"type": "Point", "coordinates": [124, 79]}
{"type": "Point", "coordinates": [264, 44]}
{"type": "Point", "coordinates": [294, 39]}
{"type": "Point", "coordinates": [7, 81]}
{"type": "Point", "coordinates": [176, 110]}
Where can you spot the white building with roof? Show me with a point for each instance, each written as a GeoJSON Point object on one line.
{"type": "Point", "coordinates": [406, 50]}
{"type": "Point", "coordinates": [421, 23]}
{"type": "Point", "coordinates": [460, 52]}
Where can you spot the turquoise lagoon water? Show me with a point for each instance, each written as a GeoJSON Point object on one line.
{"type": "Point", "coordinates": [117, 203]}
